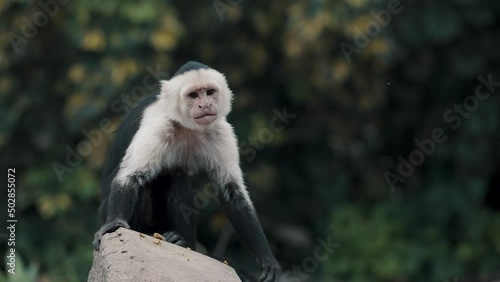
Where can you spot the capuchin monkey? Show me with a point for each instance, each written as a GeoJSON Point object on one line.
{"type": "Point", "coordinates": [160, 145]}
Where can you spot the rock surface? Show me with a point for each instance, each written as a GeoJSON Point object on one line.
{"type": "Point", "coordinates": [127, 255]}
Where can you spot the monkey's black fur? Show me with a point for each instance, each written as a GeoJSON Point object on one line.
{"type": "Point", "coordinates": [189, 66]}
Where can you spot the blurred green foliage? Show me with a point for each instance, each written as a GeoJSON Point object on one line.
{"type": "Point", "coordinates": [322, 175]}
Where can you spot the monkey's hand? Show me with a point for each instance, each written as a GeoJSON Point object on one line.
{"type": "Point", "coordinates": [108, 228]}
{"type": "Point", "coordinates": [175, 238]}
{"type": "Point", "coordinates": [271, 271]}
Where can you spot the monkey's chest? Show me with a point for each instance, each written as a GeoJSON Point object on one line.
{"type": "Point", "coordinates": [186, 153]}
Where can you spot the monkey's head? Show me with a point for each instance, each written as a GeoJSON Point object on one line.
{"type": "Point", "coordinates": [196, 96]}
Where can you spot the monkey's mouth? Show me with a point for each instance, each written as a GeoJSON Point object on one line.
{"type": "Point", "coordinates": [206, 115]}
{"type": "Point", "coordinates": [205, 118]}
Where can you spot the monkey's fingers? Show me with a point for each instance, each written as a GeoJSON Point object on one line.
{"type": "Point", "coordinates": [108, 228]}
{"type": "Point", "coordinates": [175, 238]}
{"type": "Point", "coordinates": [97, 241]}
{"type": "Point", "coordinates": [270, 274]}
{"type": "Point", "coordinates": [264, 275]}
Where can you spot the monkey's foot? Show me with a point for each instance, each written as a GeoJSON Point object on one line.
{"type": "Point", "coordinates": [175, 238]}
{"type": "Point", "coordinates": [108, 228]}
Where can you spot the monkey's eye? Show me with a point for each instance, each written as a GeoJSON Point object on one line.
{"type": "Point", "coordinates": [193, 95]}
{"type": "Point", "coordinates": [210, 92]}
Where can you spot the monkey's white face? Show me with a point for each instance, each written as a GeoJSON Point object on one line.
{"type": "Point", "coordinates": [201, 103]}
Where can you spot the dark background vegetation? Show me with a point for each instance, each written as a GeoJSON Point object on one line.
{"type": "Point", "coordinates": [323, 176]}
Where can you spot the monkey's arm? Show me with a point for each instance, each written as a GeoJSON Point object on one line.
{"type": "Point", "coordinates": [140, 164]}
{"type": "Point", "coordinates": [244, 219]}
{"type": "Point", "coordinates": [121, 202]}
{"type": "Point", "coordinates": [239, 208]}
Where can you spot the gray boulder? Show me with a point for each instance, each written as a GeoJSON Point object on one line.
{"type": "Point", "coordinates": [126, 255]}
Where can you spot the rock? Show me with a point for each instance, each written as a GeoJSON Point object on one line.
{"type": "Point", "coordinates": [126, 255]}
